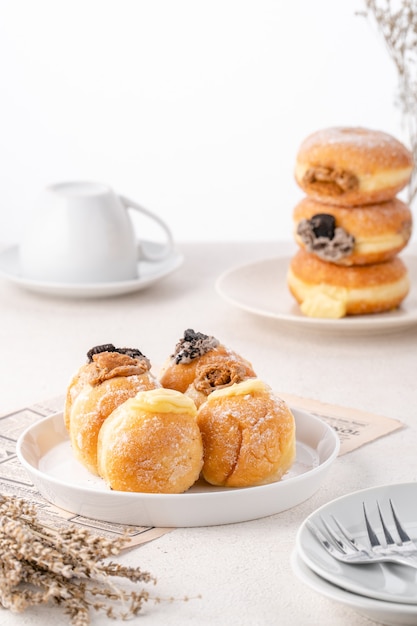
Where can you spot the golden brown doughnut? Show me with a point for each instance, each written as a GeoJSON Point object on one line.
{"type": "Point", "coordinates": [352, 166]}
{"type": "Point", "coordinates": [151, 444]}
{"type": "Point", "coordinates": [364, 235]}
{"type": "Point", "coordinates": [328, 290]}
{"type": "Point", "coordinates": [202, 358]}
{"type": "Point", "coordinates": [111, 376]}
{"type": "Point", "coordinates": [248, 435]}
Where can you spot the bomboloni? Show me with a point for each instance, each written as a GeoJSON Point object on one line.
{"type": "Point", "coordinates": [352, 166]}
{"type": "Point", "coordinates": [332, 291]}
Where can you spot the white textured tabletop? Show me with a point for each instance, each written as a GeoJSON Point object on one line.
{"type": "Point", "coordinates": [241, 571]}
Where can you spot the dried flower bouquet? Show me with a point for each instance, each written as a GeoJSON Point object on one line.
{"type": "Point", "coordinates": [39, 566]}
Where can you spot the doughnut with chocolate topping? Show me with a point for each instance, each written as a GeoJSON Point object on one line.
{"type": "Point", "coordinates": [368, 234]}
{"type": "Point", "coordinates": [352, 166]}
{"type": "Point", "coordinates": [110, 376]}
{"type": "Point", "coordinates": [196, 351]}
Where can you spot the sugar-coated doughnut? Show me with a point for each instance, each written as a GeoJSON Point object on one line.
{"type": "Point", "coordinates": [202, 358]}
{"type": "Point", "coordinates": [248, 435]}
{"type": "Point", "coordinates": [352, 166]}
{"type": "Point", "coordinates": [368, 234]}
{"type": "Point", "coordinates": [328, 290]}
{"type": "Point", "coordinates": [151, 443]}
{"type": "Point", "coordinates": [111, 376]}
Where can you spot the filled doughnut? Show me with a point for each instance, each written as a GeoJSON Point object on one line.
{"type": "Point", "coordinates": [328, 290]}
{"type": "Point", "coordinates": [367, 234]}
{"type": "Point", "coordinates": [352, 166]}
{"type": "Point", "coordinates": [151, 444]}
{"type": "Point", "coordinates": [110, 376]}
{"type": "Point", "coordinates": [248, 435]}
{"type": "Point", "coordinates": [200, 364]}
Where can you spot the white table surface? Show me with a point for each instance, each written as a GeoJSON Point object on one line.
{"type": "Point", "coordinates": [242, 571]}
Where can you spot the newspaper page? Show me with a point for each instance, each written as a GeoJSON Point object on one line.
{"type": "Point", "coordinates": [354, 427]}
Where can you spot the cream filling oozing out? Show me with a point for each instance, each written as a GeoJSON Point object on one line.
{"type": "Point", "coordinates": [252, 385]}
{"type": "Point", "coordinates": [373, 182]}
{"type": "Point", "coordinates": [369, 182]}
{"type": "Point", "coordinates": [371, 244]}
{"type": "Point", "coordinates": [163, 401]}
{"type": "Point", "coordinates": [330, 301]}
{"type": "Point", "coordinates": [378, 244]}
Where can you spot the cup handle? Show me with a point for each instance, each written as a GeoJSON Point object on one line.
{"type": "Point", "coordinates": [151, 251]}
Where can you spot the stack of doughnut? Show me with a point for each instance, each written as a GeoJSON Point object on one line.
{"type": "Point", "coordinates": [350, 226]}
{"type": "Point", "coordinates": [206, 416]}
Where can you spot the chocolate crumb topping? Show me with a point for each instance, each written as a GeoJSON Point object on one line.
{"type": "Point", "coordinates": [323, 225]}
{"type": "Point", "coordinates": [106, 365]}
{"type": "Point", "coordinates": [106, 347]}
{"type": "Point", "coordinates": [132, 352]}
{"type": "Point", "coordinates": [193, 345]}
{"type": "Point", "coordinates": [322, 237]}
{"type": "Point", "coordinates": [109, 347]}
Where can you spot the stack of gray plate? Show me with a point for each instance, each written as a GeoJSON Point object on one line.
{"type": "Point", "coordinates": [383, 592]}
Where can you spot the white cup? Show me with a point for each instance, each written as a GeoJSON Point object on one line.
{"type": "Point", "coordinates": [81, 232]}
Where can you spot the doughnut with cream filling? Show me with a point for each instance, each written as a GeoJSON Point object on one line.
{"type": "Point", "coordinates": [151, 443]}
{"type": "Point", "coordinates": [352, 166]}
{"type": "Point", "coordinates": [248, 435]}
{"type": "Point", "coordinates": [328, 290]}
{"type": "Point", "coordinates": [368, 234]}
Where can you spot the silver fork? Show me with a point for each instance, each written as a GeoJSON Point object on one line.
{"type": "Point", "coordinates": [344, 547]}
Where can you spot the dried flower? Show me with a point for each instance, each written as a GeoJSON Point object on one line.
{"type": "Point", "coordinates": [39, 566]}
{"type": "Point", "coordinates": [396, 21]}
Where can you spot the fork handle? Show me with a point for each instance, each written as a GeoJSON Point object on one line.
{"type": "Point", "coordinates": [411, 561]}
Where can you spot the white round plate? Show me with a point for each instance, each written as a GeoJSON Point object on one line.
{"type": "Point", "coordinates": [149, 272]}
{"type": "Point", "coordinates": [382, 581]}
{"type": "Point", "coordinates": [261, 288]}
{"type": "Point", "coordinates": [387, 613]}
{"type": "Point", "coordinates": [44, 450]}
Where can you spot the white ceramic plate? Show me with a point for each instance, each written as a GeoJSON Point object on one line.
{"type": "Point", "coordinates": [388, 582]}
{"type": "Point", "coordinates": [387, 613]}
{"type": "Point", "coordinates": [44, 450]}
{"type": "Point", "coordinates": [261, 288]}
{"type": "Point", "coordinates": [149, 272]}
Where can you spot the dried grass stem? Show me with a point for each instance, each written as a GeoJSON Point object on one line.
{"type": "Point", "coordinates": [39, 566]}
{"type": "Point", "coordinates": [396, 22]}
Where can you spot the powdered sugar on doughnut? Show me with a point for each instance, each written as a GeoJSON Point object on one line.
{"type": "Point", "coordinates": [375, 145]}
{"type": "Point", "coordinates": [248, 435]}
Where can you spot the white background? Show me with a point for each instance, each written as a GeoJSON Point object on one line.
{"type": "Point", "coordinates": [194, 108]}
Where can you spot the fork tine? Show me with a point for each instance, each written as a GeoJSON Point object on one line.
{"type": "Point", "coordinates": [401, 532]}
{"type": "Point", "coordinates": [388, 536]}
{"type": "Point", "coordinates": [352, 541]}
{"type": "Point", "coordinates": [373, 539]}
{"type": "Point", "coordinates": [315, 530]}
{"type": "Point", "coordinates": [337, 541]}
{"type": "Point", "coordinates": [344, 546]}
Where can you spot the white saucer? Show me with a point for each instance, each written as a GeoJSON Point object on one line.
{"type": "Point", "coordinates": [149, 272]}
{"type": "Point", "coordinates": [379, 611]}
{"type": "Point", "coordinates": [381, 581]}
{"type": "Point", "coordinates": [261, 288]}
{"type": "Point", "coordinates": [44, 450]}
